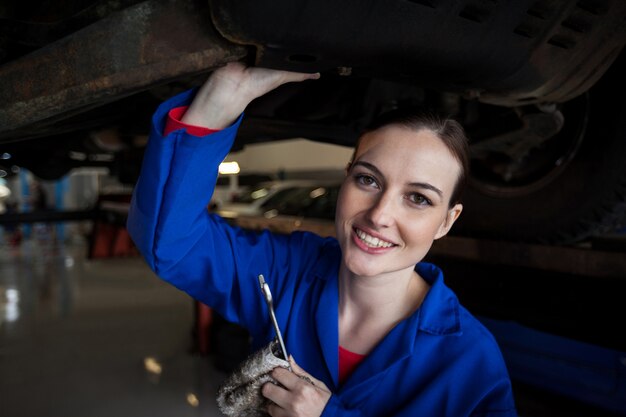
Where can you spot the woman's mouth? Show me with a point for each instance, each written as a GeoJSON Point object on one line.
{"type": "Point", "coordinates": [371, 241]}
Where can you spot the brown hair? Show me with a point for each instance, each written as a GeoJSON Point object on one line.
{"type": "Point", "coordinates": [447, 129]}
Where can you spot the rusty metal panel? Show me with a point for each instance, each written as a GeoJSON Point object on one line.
{"type": "Point", "coordinates": [129, 51]}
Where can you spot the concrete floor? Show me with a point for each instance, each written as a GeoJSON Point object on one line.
{"type": "Point", "coordinates": [95, 338]}
{"type": "Point", "coordinates": [106, 337]}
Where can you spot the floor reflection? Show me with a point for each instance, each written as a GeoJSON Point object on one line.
{"type": "Point", "coordinates": [95, 338]}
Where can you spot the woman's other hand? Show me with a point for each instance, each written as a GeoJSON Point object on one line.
{"type": "Point", "coordinates": [295, 396]}
{"type": "Point", "coordinates": [229, 89]}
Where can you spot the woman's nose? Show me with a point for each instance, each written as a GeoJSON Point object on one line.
{"type": "Point", "coordinates": [381, 212]}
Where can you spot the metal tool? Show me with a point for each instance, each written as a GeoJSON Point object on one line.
{"type": "Point", "coordinates": [270, 305]}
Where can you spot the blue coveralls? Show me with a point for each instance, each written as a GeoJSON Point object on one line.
{"type": "Point", "coordinates": [438, 362]}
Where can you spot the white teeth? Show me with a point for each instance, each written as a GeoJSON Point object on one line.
{"type": "Point", "coordinates": [372, 241]}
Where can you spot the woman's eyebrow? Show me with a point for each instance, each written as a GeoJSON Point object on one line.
{"type": "Point", "coordinates": [427, 186]}
{"type": "Point", "coordinates": [370, 167]}
{"type": "Point", "coordinates": [423, 185]}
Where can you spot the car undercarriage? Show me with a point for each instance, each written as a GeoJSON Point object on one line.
{"type": "Point", "coordinates": [537, 84]}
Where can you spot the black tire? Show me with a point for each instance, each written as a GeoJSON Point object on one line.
{"type": "Point", "coordinates": [582, 196]}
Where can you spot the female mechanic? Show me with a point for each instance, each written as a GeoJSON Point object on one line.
{"type": "Point", "coordinates": [374, 328]}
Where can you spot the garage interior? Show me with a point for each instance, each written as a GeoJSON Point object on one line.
{"type": "Point", "coordinates": [87, 329]}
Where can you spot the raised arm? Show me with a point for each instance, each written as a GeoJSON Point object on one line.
{"type": "Point", "coordinates": [168, 218]}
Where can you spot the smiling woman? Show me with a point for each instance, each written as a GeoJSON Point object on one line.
{"type": "Point", "coordinates": [398, 192]}
{"type": "Point", "coordinates": [374, 330]}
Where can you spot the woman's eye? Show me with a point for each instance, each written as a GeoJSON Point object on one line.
{"type": "Point", "coordinates": [366, 180]}
{"type": "Point", "coordinates": [419, 199]}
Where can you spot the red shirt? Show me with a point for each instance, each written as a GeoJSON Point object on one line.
{"type": "Point", "coordinates": [348, 361]}
{"type": "Point", "coordinates": [173, 123]}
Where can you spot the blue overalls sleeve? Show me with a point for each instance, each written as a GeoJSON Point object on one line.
{"type": "Point", "coordinates": [189, 247]}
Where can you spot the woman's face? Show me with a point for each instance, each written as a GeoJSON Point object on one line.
{"type": "Point", "coordinates": [394, 201]}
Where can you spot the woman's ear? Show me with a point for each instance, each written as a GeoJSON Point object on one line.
{"type": "Point", "coordinates": [451, 216]}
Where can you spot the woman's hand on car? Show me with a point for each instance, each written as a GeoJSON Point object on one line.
{"type": "Point", "coordinates": [229, 89]}
{"type": "Point", "coordinates": [298, 395]}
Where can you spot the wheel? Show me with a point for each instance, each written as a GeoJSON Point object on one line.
{"type": "Point", "coordinates": [565, 189]}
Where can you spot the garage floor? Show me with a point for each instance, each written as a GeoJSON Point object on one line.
{"type": "Point", "coordinates": [95, 338]}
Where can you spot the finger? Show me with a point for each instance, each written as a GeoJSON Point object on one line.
{"type": "Point", "coordinates": [276, 394]}
{"type": "Point", "coordinates": [300, 76]}
{"type": "Point", "coordinates": [275, 78]}
{"type": "Point", "coordinates": [275, 410]}
{"type": "Point", "coordinates": [254, 82]}
{"type": "Point", "coordinates": [299, 371]}
{"type": "Point", "coordinates": [285, 377]}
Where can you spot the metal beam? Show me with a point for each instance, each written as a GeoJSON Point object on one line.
{"type": "Point", "coordinates": [570, 260]}
{"type": "Point", "coordinates": [127, 52]}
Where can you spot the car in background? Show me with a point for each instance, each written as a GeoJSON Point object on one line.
{"type": "Point", "coordinates": [254, 200]}
{"type": "Point", "coordinates": [229, 188]}
{"type": "Point", "coordinates": [308, 207]}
